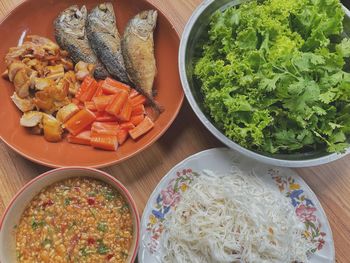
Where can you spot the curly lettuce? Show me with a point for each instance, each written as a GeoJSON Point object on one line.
{"type": "Point", "coordinates": [273, 75]}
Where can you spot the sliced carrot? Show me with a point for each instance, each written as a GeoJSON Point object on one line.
{"type": "Point", "coordinates": [125, 112]}
{"type": "Point", "coordinates": [105, 128]}
{"type": "Point", "coordinates": [111, 86]}
{"type": "Point", "coordinates": [105, 117]}
{"type": "Point", "coordinates": [146, 125]}
{"type": "Point", "coordinates": [87, 89]}
{"type": "Point", "coordinates": [105, 142]}
{"type": "Point", "coordinates": [138, 109]}
{"type": "Point", "coordinates": [101, 102]}
{"type": "Point", "coordinates": [139, 99]}
{"type": "Point", "coordinates": [137, 119]}
{"type": "Point", "coordinates": [81, 138]}
{"type": "Point", "coordinates": [99, 90]}
{"type": "Point", "coordinates": [126, 126]}
{"type": "Point", "coordinates": [79, 121]}
{"type": "Point", "coordinates": [90, 105]}
{"type": "Point", "coordinates": [115, 106]}
{"type": "Point", "coordinates": [122, 136]}
{"type": "Point", "coordinates": [133, 93]}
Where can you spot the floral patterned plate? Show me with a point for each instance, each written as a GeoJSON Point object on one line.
{"type": "Point", "coordinates": [168, 193]}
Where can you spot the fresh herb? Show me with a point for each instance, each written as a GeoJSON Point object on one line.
{"type": "Point", "coordinates": [18, 255]}
{"type": "Point", "coordinates": [71, 225]}
{"type": "Point", "coordinates": [46, 242]}
{"type": "Point", "coordinates": [85, 251]}
{"type": "Point", "coordinates": [93, 212]}
{"type": "Point", "coordinates": [109, 195]}
{"type": "Point", "coordinates": [50, 231]}
{"type": "Point", "coordinates": [124, 208]}
{"type": "Point", "coordinates": [124, 254]}
{"type": "Point", "coordinates": [102, 226]}
{"type": "Point", "coordinates": [102, 249]}
{"type": "Point", "coordinates": [67, 201]}
{"type": "Point", "coordinates": [36, 224]}
{"type": "Point", "coordinates": [276, 81]}
{"type": "Point", "coordinates": [92, 193]}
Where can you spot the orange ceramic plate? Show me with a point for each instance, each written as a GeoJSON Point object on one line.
{"type": "Point", "coordinates": [36, 17]}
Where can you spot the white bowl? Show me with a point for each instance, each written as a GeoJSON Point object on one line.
{"type": "Point", "coordinates": [20, 201]}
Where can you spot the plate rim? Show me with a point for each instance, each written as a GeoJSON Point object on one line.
{"type": "Point", "coordinates": [227, 149]}
{"type": "Point", "coordinates": [57, 164]}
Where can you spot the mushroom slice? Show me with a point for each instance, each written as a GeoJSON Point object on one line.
{"type": "Point", "coordinates": [83, 69]}
{"type": "Point", "coordinates": [23, 104]}
{"type": "Point", "coordinates": [44, 42]}
{"type": "Point", "coordinates": [55, 72]}
{"type": "Point", "coordinates": [31, 118]}
{"type": "Point", "coordinates": [14, 67]}
{"type": "Point", "coordinates": [42, 83]}
{"type": "Point", "coordinates": [23, 80]}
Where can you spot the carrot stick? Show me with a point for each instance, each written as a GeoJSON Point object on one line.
{"type": "Point", "coordinates": [139, 99]}
{"type": "Point", "coordinates": [102, 102]}
{"type": "Point", "coordinates": [87, 89]}
{"type": "Point", "coordinates": [125, 112]}
{"type": "Point", "coordinates": [138, 109]}
{"type": "Point", "coordinates": [137, 119]}
{"type": "Point", "coordinates": [79, 121]}
{"type": "Point", "coordinates": [105, 117]}
{"type": "Point", "coordinates": [105, 142]}
{"type": "Point", "coordinates": [81, 138]}
{"type": "Point", "coordinates": [111, 86]}
{"type": "Point", "coordinates": [146, 125]}
{"type": "Point", "coordinates": [126, 126]}
{"type": "Point", "coordinates": [117, 103]}
{"type": "Point", "coordinates": [105, 128]}
{"type": "Point", "coordinates": [122, 136]}
{"type": "Point", "coordinates": [99, 90]}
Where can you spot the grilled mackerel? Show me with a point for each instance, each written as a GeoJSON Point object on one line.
{"type": "Point", "coordinates": [70, 34]}
{"type": "Point", "coordinates": [104, 39]}
{"type": "Point", "coordinates": [138, 51]}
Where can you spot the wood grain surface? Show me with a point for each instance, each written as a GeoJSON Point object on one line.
{"type": "Point", "coordinates": [186, 136]}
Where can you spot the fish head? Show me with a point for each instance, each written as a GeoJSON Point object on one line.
{"type": "Point", "coordinates": [104, 16]}
{"type": "Point", "coordinates": [72, 21]}
{"type": "Point", "coordinates": [144, 23]}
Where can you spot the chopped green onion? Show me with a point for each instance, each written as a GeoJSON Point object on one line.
{"type": "Point", "coordinates": [102, 249]}
{"type": "Point", "coordinates": [102, 226]}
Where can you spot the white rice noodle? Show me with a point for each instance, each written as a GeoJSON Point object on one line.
{"type": "Point", "coordinates": [233, 218]}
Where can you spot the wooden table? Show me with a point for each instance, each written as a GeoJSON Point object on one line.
{"type": "Point", "coordinates": [186, 136]}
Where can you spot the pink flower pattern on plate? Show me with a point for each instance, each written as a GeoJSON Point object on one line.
{"type": "Point", "coordinates": [306, 213]}
{"type": "Point", "coordinates": [169, 196]}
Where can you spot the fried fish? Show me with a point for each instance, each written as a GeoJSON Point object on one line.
{"type": "Point", "coordinates": [70, 34]}
{"type": "Point", "coordinates": [104, 39]}
{"type": "Point", "coordinates": [138, 51]}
